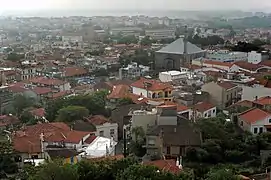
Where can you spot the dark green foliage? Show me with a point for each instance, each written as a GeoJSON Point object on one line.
{"type": "Point", "coordinates": [72, 113]}
{"type": "Point", "coordinates": [95, 104]}
{"type": "Point", "coordinates": [15, 57]}
{"type": "Point", "coordinates": [210, 40]}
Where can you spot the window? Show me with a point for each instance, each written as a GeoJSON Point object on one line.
{"type": "Point", "coordinates": [101, 133]}
{"type": "Point", "coordinates": [269, 120]}
{"type": "Point", "coordinates": [242, 123]}
{"type": "Point", "coordinates": [168, 149]}
{"type": "Point", "coordinates": [261, 130]}
{"type": "Point", "coordinates": [112, 132]}
{"type": "Point", "coordinates": [34, 157]}
{"type": "Point", "coordinates": [213, 110]}
{"type": "Point", "coordinates": [227, 97]}
{"type": "Point", "coordinates": [255, 130]}
{"type": "Point", "coordinates": [205, 114]}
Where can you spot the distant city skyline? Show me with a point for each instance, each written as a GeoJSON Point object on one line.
{"type": "Point", "coordinates": [26, 5]}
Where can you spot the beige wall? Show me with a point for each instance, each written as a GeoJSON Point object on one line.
{"type": "Point", "coordinates": [216, 93]}
{"type": "Point", "coordinates": [143, 120]}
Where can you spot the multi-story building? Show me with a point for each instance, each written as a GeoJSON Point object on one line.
{"type": "Point", "coordinates": [159, 34]}
{"type": "Point", "coordinates": [222, 94]}
{"type": "Point", "coordinates": [152, 89]}
{"type": "Point", "coordinates": [170, 76]}
{"type": "Point", "coordinates": [227, 56]}
{"type": "Point", "coordinates": [133, 70]}
{"type": "Point", "coordinates": [126, 31]}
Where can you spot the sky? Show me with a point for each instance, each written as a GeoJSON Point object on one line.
{"type": "Point", "coordinates": [135, 4]}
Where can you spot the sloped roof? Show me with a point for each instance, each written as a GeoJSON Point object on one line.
{"type": "Point", "coordinates": [177, 47]}
{"type": "Point", "coordinates": [253, 115]}
{"type": "Point", "coordinates": [165, 165]}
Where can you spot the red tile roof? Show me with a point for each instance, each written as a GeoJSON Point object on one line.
{"type": "Point", "coordinates": [97, 120]}
{"type": "Point", "coordinates": [38, 112]}
{"type": "Point", "coordinates": [46, 81]}
{"type": "Point", "coordinates": [60, 94]}
{"type": "Point", "coordinates": [218, 63]}
{"type": "Point", "coordinates": [17, 89]}
{"type": "Point", "coordinates": [90, 139]}
{"type": "Point", "coordinates": [119, 91]}
{"type": "Point", "coordinates": [41, 90]}
{"type": "Point", "coordinates": [226, 85]}
{"type": "Point", "coordinates": [74, 71]}
{"type": "Point", "coordinates": [247, 65]}
{"type": "Point", "coordinates": [165, 165]}
{"type": "Point", "coordinates": [264, 100]}
{"type": "Point", "coordinates": [26, 144]}
{"type": "Point", "coordinates": [253, 115]}
{"type": "Point", "coordinates": [203, 106]}
{"type": "Point", "coordinates": [151, 84]}
{"type": "Point", "coordinates": [265, 63]}
{"type": "Point", "coordinates": [181, 108]}
{"type": "Point", "coordinates": [244, 103]}
{"type": "Point", "coordinates": [65, 136]}
{"type": "Point", "coordinates": [8, 120]}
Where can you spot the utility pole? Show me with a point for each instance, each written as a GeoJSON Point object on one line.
{"type": "Point", "coordinates": [124, 143]}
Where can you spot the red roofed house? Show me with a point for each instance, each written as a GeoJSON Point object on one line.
{"type": "Point", "coordinates": [104, 127]}
{"type": "Point", "coordinates": [222, 94]}
{"type": "Point", "coordinates": [263, 103]}
{"type": "Point", "coordinates": [169, 165]}
{"type": "Point", "coordinates": [55, 84]}
{"type": "Point", "coordinates": [255, 121]}
{"type": "Point", "coordinates": [34, 141]}
{"type": "Point", "coordinates": [152, 89]}
{"type": "Point", "coordinates": [205, 110]}
{"type": "Point", "coordinates": [251, 68]}
{"type": "Point", "coordinates": [229, 67]}
{"type": "Point", "coordinates": [71, 72]}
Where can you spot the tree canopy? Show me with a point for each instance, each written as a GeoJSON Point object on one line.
{"type": "Point", "coordinates": [94, 103]}
{"type": "Point", "coordinates": [71, 113]}
{"type": "Point", "coordinates": [206, 41]}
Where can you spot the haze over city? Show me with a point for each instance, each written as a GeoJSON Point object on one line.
{"type": "Point", "coordinates": [135, 4]}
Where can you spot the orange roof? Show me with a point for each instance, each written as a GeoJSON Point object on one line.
{"type": "Point", "coordinates": [203, 106]}
{"type": "Point", "coordinates": [97, 120]}
{"type": "Point", "coordinates": [26, 144]}
{"type": "Point", "coordinates": [218, 63]}
{"type": "Point", "coordinates": [46, 81]}
{"type": "Point", "coordinates": [74, 71]}
{"type": "Point", "coordinates": [226, 85]}
{"type": "Point", "coordinates": [264, 100]}
{"type": "Point", "coordinates": [119, 91]}
{"type": "Point", "coordinates": [165, 165]}
{"type": "Point", "coordinates": [244, 103]}
{"type": "Point", "coordinates": [181, 108]}
{"type": "Point", "coordinates": [40, 112]}
{"type": "Point", "coordinates": [253, 115]}
{"type": "Point", "coordinates": [151, 84]}
{"type": "Point", "coordinates": [41, 90]}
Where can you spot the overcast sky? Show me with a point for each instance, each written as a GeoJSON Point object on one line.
{"type": "Point", "coordinates": [136, 4]}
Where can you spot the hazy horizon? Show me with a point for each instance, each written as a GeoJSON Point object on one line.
{"type": "Point", "coordinates": [189, 5]}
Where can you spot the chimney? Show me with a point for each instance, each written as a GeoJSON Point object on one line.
{"type": "Point", "coordinates": [177, 162]}
{"type": "Point", "coordinates": [256, 98]}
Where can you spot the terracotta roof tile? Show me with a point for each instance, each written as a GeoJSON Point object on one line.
{"type": "Point", "coordinates": [264, 100]}
{"type": "Point", "coordinates": [119, 91]}
{"type": "Point", "coordinates": [38, 112]}
{"type": "Point", "coordinates": [97, 120]}
{"type": "Point", "coordinates": [218, 63]}
{"type": "Point", "coordinates": [41, 90]}
{"type": "Point", "coordinates": [90, 139]}
{"type": "Point", "coordinates": [248, 66]}
{"type": "Point", "coordinates": [46, 81]}
{"type": "Point", "coordinates": [203, 106]}
{"type": "Point", "coordinates": [151, 84]}
{"type": "Point", "coordinates": [253, 115]}
{"type": "Point", "coordinates": [165, 165]}
{"type": "Point", "coordinates": [27, 144]}
{"type": "Point", "coordinates": [74, 71]}
{"type": "Point", "coordinates": [226, 85]}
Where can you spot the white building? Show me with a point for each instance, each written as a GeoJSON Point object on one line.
{"type": "Point", "coordinates": [170, 76]}
{"type": "Point", "coordinates": [254, 57]}
{"type": "Point", "coordinates": [205, 110]}
{"type": "Point", "coordinates": [133, 70]}
{"type": "Point", "coordinates": [226, 56]}
{"type": "Point", "coordinates": [159, 34]}
{"type": "Point", "coordinates": [104, 128]}
{"type": "Point", "coordinates": [100, 147]}
{"type": "Point", "coordinates": [255, 121]}
{"type": "Point", "coordinates": [72, 39]}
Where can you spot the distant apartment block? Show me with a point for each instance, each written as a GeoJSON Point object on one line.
{"type": "Point", "coordinates": [126, 31]}
{"type": "Point", "coordinates": [159, 34]}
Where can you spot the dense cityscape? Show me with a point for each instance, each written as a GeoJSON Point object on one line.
{"type": "Point", "coordinates": [136, 97]}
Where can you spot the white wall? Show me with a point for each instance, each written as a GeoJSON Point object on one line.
{"type": "Point", "coordinates": [207, 114]}
{"type": "Point", "coordinates": [140, 91]}
{"type": "Point", "coordinates": [254, 57]}
{"type": "Point", "coordinates": [106, 129]}
{"type": "Point", "coordinates": [260, 124]}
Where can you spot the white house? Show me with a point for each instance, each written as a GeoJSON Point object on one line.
{"type": "Point", "coordinates": [169, 76]}
{"type": "Point", "coordinates": [254, 57]}
{"type": "Point", "coordinates": [104, 128]}
{"type": "Point", "coordinates": [205, 110]}
{"type": "Point", "coordinates": [100, 147]}
{"type": "Point", "coordinates": [255, 121]}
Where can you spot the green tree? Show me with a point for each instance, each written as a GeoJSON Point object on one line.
{"type": "Point", "coordinates": [15, 57]}
{"type": "Point", "coordinates": [27, 118]}
{"type": "Point", "coordinates": [72, 113]}
{"type": "Point", "coordinates": [21, 102]}
{"type": "Point", "coordinates": [222, 174]}
{"type": "Point", "coordinates": [146, 41]}
{"type": "Point", "coordinates": [124, 101]}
